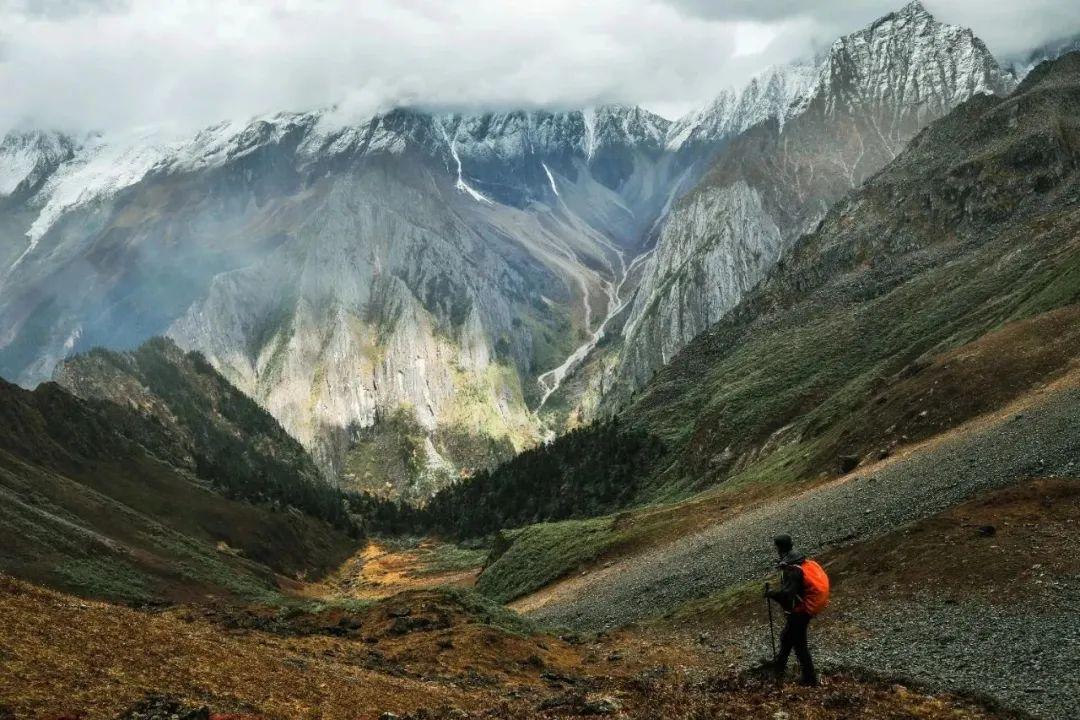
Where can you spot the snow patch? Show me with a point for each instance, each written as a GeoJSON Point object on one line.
{"type": "Point", "coordinates": [589, 118]}
{"type": "Point", "coordinates": [461, 184]}
{"type": "Point", "coordinates": [777, 92]}
{"type": "Point", "coordinates": [15, 166]}
{"type": "Point", "coordinates": [100, 169]}
{"type": "Point", "coordinates": [551, 179]}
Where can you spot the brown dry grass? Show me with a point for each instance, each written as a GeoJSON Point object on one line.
{"type": "Point", "coordinates": [418, 652]}
{"type": "Point", "coordinates": [378, 571]}
{"type": "Point", "coordinates": [951, 388]}
{"type": "Point", "coordinates": [1033, 528]}
{"type": "Point", "coordinates": [63, 655]}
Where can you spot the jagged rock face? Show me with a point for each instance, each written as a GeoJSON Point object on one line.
{"type": "Point", "coordinates": [341, 273]}
{"type": "Point", "coordinates": [721, 246]}
{"type": "Point", "coordinates": [778, 92]}
{"type": "Point", "coordinates": [27, 158]}
{"type": "Point", "coordinates": [872, 93]}
{"type": "Point", "coordinates": [974, 226]}
{"type": "Point", "coordinates": [450, 272]}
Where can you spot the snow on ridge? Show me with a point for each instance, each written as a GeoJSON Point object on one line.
{"type": "Point", "coordinates": [100, 167]}
{"type": "Point", "coordinates": [909, 58]}
{"type": "Point", "coordinates": [904, 57]}
{"type": "Point", "coordinates": [27, 155]}
{"type": "Point", "coordinates": [588, 116]}
{"type": "Point", "coordinates": [551, 179]}
{"type": "Point", "coordinates": [509, 136]}
{"type": "Point", "coordinates": [461, 185]}
{"type": "Point", "coordinates": [16, 164]}
{"type": "Point", "coordinates": [778, 91]}
{"type": "Point", "coordinates": [103, 164]}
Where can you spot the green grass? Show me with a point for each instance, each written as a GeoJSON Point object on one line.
{"type": "Point", "coordinates": [490, 612]}
{"type": "Point", "coordinates": [452, 558]}
{"type": "Point", "coordinates": [439, 557]}
{"type": "Point", "coordinates": [817, 365]}
{"type": "Point", "coordinates": [105, 576]}
{"type": "Point", "coordinates": [719, 605]}
{"type": "Point", "coordinates": [540, 554]}
{"type": "Point", "coordinates": [389, 452]}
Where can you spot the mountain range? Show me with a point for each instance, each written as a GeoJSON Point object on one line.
{"type": "Point", "coordinates": [417, 295]}
{"type": "Point", "coordinates": [437, 416]}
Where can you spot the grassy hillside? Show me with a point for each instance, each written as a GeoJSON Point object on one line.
{"type": "Point", "coordinates": [181, 409]}
{"type": "Point", "coordinates": [850, 347]}
{"type": "Point", "coordinates": [172, 495]}
{"type": "Point", "coordinates": [944, 288]}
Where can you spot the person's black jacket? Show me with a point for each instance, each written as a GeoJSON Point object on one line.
{"type": "Point", "coordinates": [790, 591]}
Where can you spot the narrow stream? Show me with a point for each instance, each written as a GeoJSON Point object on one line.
{"type": "Point", "coordinates": [551, 380]}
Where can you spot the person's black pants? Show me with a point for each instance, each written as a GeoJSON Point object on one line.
{"type": "Point", "coordinates": [793, 637]}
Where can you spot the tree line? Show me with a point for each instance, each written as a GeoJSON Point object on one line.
{"type": "Point", "coordinates": [592, 470]}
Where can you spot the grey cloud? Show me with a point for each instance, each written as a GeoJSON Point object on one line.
{"type": "Point", "coordinates": [66, 8]}
{"type": "Point", "coordinates": [107, 64]}
{"type": "Point", "coordinates": [1008, 28]}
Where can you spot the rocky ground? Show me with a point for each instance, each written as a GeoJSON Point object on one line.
{"type": "Point", "coordinates": [1024, 657]}
{"type": "Point", "coordinates": [424, 655]}
{"type": "Point", "coordinates": [1044, 439]}
{"type": "Point", "coordinates": [980, 598]}
{"type": "Point", "coordinates": [1022, 653]}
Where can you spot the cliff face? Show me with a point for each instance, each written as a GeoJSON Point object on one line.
{"type": "Point", "coordinates": [482, 280]}
{"type": "Point", "coordinates": [341, 274]}
{"type": "Point", "coordinates": [940, 290]}
{"type": "Point", "coordinates": [873, 92]}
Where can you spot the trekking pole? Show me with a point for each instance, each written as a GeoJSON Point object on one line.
{"type": "Point", "coordinates": [772, 633]}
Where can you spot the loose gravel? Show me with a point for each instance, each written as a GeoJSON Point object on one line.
{"type": "Point", "coordinates": [1026, 658]}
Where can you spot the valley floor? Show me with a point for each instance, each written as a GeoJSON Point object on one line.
{"type": "Point", "coordinates": [978, 599]}
{"type": "Point", "coordinates": [955, 578]}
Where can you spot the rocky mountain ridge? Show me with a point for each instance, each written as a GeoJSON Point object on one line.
{"type": "Point", "coordinates": [432, 265]}
{"type": "Point", "coordinates": [874, 90]}
{"type": "Point", "coordinates": [443, 277]}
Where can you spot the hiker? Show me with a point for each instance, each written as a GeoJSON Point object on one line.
{"type": "Point", "coordinates": [803, 593]}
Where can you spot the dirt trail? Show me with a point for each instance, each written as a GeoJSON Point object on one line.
{"type": "Point", "coordinates": [1037, 436]}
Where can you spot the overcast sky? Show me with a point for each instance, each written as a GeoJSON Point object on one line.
{"type": "Point", "coordinates": [115, 64]}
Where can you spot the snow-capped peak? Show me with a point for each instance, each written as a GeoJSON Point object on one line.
{"type": "Point", "coordinates": [904, 59]}
{"type": "Point", "coordinates": [28, 157]}
{"type": "Point", "coordinates": [775, 92]}
{"type": "Point", "coordinates": [908, 61]}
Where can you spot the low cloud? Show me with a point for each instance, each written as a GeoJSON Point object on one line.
{"type": "Point", "coordinates": [110, 64]}
{"type": "Point", "coordinates": [1008, 28]}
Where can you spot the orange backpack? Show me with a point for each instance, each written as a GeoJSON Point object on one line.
{"type": "Point", "coordinates": [815, 588]}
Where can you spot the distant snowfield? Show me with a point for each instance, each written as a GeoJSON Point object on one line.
{"type": "Point", "coordinates": [15, 166]}
{"type": "Point", "coordinates": [104, 164]}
